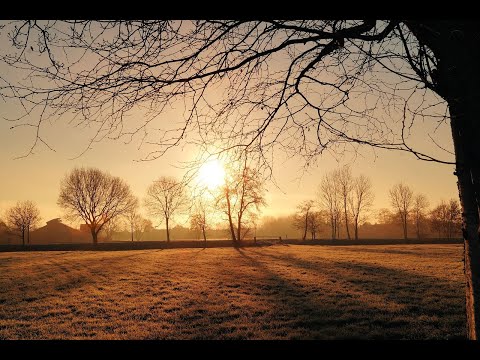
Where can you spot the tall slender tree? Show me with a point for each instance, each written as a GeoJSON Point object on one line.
{"type": "Point", "coordinates": [241, 196]}
{"type": "Point", "coordinates": [133, 218]}
{"type": "Point", "coordinates": [401, 198]}
{"type": "Point", "coordinates": [330, 198]}
{"type": "Point", "coordinates": [361, 200]}
{"type": "Point", "coordinates": [344, 178]}
{"type": "Point", "coordinates": [302, 215]}
{"type": "Point", "coordinates": [165, 197]}
{"type": "Point", "coordinates": [420, 206]}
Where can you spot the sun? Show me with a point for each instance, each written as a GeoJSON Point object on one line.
{"type": "Point", "coordinates": [211, 174]}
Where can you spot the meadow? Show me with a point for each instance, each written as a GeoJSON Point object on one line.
{"type": "Point", "coordinates": [272, 292]}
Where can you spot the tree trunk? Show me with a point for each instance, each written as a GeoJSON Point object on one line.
{"type": "Point", "coordinates": [456, 46]}
{"type": "Point", "coordinates": [404, 223]}
{"type": "Point", "coordinates": [168, 230]}
{"type": "Point", "coordinates": [418, 228]}
{"type": "Point", "coordinates": [470, 217]}
{"type": "Point", "coordinates": [204, 236]}
{"type": "Point", "coordinates": [346, 217]}
{"type": "Point", "coordinates": [229, 213]}
{"type": "Point", "coordinates": [239, 226]}
{"type": "Point", "coordinates": [94, 235]}
{"type": "Point", "coordinates": [333, 227]}
{"type": "Point", "coordinates": [356, 229]}
{"type": "Point", "coordinates": [306, 227]}
{"type": "Point", "coordinates": [337, 226]}
{"type": "Point", "coordinates": [131, 231]}
{"type": "Point", "coordinates": [23, 236]}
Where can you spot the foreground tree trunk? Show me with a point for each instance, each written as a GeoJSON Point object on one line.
{"type": "Point", "coordinates": [470, 216]}
{"type": "Point", "coordinates": [456, 48]}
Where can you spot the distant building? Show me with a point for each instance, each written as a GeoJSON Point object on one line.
{"type": "Point", "coordinates": [55, 232]}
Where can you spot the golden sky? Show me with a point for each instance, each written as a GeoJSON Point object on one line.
{"type": "Point", "coordinates": [37, 177]}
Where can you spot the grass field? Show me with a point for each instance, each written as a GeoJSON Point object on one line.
{"type": "Point", "coordinates": [276, 292]}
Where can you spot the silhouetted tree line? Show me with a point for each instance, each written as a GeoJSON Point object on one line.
{"type": "Point", "coordinates": [105, 204]}
{"type": "Point", "coordinates": [345, 202]}
{"type": "Point", "coordinates": [343, 207]}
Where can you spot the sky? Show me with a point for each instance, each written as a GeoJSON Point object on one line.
{"type": "Point", "coordinates": [37, 177]}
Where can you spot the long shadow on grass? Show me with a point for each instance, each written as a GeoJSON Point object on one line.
{"type": "Point", "coordinates": [377, 279]}
{"type": "Point", "coordinates": [292, 308]}
{"type": "Point", "coordinates": [416, 306]}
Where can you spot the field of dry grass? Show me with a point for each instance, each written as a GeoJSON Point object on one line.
{"type": "Point", "coordinates": [276, 292]}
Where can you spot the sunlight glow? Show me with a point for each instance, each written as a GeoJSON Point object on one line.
{"type": "Point", "coordinates": [211, 174]}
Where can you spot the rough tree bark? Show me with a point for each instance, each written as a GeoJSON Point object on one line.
{"type": "Point", "coordinates": [456, 47]}
{"type": "Point", "coordinates": [470, 223]}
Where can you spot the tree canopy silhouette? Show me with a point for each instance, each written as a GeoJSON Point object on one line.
{"type": "Point", "coordinates": [240, 198]}
{"type": "Point", "coordinates": [22, 217]}
{"type": "Point", "coordinates": [298, 86]}
{"type": "Point", "coordinates": [95, 197]}
{"type": "Point", "coordinates": [165, 196]}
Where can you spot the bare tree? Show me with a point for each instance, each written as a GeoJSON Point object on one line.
{"type": "Point", "coordinates": [23, 217]}
{"type": "Point", "coordinates": [446, 219]}
{"type": "Point", "coordinates": [302, 215]}
{"type": "Point", "coordinates": [329, 197]}
{"type": "Point", "coordinates": [94, 196]}
{"type": "Point", "coordinates": [420, 206]}
{"type": "Point", "coordinates": [361, 199]}
{"type": "Point", "coordinates": [401, 198]}
{"type": "Point", "coordinates": [165, 197]}
{"type": "Point", "coordinates": [314, 222]}
{"type": "Point", "coordinates": [325, 88]}
{"type": "Point", "coordinates": [241, 197]}
{"type": "Point", "coordinates": [133, 218]}
{"type": "Point", "coordinates": [345, 181]}
{"type": "Point", "coordinates": [199, 218]}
